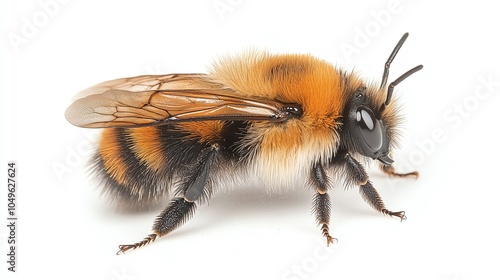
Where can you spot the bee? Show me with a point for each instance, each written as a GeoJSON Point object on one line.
{"type": "Point", "coordinates": [282, 118]}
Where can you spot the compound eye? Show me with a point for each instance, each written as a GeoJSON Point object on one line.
{"type": "Point", "coordinates": [370, 129]}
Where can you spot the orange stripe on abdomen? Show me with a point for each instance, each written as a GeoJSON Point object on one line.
{"type": "Point", "coordinates": [110, 153]}
{"type": "Point", "coordinates": [206, 131]}
{"type": "Point", "coordinates": [148, 147]}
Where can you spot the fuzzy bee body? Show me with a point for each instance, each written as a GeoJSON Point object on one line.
{"type": "Point", "coordinates": [140, 167]}
{"type": "Point", "coordinates": [281, 118]}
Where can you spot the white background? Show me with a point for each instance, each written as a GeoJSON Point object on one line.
{"type": "Point", "coordinates": [50, 50]}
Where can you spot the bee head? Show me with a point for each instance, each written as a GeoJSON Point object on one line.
{"type": "Point", "coordinates": [364, 130]}
{"type": "Point", "coordinates": [367, 129]}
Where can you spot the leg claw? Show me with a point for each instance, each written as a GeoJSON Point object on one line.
{"type": "Point", "coordinates": [400, 214]}
{"type": "Point", "coordinates": [330, 240]}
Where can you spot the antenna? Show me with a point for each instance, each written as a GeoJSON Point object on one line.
{"type": "Point", "coordinates": [401, 78]}
{"type": "Point", "coordinates": [391, 58]}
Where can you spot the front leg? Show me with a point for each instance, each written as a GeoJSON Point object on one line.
{"type": "Point", "coordinates": [321, 200]}
{"type": "Point", "coordinates": [356, 173]}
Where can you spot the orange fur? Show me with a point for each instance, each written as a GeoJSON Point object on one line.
{"type": "Point", "coordinates": [277, 117]}
{"type": "Point", "coordinates": [206, 131]}
{"type": "Point", "coordinates": [282, 152]}
{"type": "Point", "coordinates": [287, 150]}
{"type": "Point", "coordinates": [111, 157]}
{"type": "Point", "coordinates": [147, 146]}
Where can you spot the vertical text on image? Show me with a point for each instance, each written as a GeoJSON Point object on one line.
{"type": "Point", "coordinates": [12, 222]}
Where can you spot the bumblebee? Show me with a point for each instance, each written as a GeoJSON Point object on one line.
{"type": "Point", "coordinates": [281, 118]}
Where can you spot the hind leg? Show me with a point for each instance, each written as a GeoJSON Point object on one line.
{"type": "Point", "coordinates": [181, 208]}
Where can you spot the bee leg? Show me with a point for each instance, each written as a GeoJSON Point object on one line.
{"type": "Point", "coordinates": [177, 212]}
{"type": "Point", "coordinates": [321, 201]}
{"type": "Point", "coordinates": [368, 192]}
{"type": "Point", "coordinates": [180, 209]}
{"type": "Point", "coordinates": [391, 171]}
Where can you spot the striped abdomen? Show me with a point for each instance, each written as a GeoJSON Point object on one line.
{"type": "Point", "coordinates": [139, 166]}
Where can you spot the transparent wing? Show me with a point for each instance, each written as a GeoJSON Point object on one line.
{"type": "Point", "coordinates": [158, 99]}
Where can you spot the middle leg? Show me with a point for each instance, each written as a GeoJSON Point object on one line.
{"type": "Point", "coordinates": [321, 201]}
